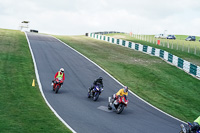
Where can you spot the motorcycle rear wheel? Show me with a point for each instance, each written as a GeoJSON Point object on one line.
{"type": "Point", "coordinates": [109, 107]}
{"type": "Point", "coordinates": [89, 94]}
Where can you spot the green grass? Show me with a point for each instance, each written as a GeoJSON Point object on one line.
{"type": "Point", "coordinates": [163, 85]}
{"type": "Point", "coordinates": [183, 37]}
{"type": "Point", "coordinates": [22, 108]}
{"type": "Point", "coordinates": [181, 52]}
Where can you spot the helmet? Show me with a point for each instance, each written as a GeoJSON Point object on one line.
{"type": "Point", "coordinates": [62, 70]}
{"type": "Point", "coordinates": [125, 88]}
{"type": "Point", "coordinates": [100, 78]}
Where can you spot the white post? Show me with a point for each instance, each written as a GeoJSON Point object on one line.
{"type": "Point", "coordinates": [177, 45]}
{"type": "Point", "coordinates": [168, 44]}
{"type": "Point", "coordinates": [150, 39]}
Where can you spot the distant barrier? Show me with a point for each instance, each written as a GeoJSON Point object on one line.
{"type": "Point", "coordinates": [188, 67]}
{"type": "Point", "coordinates": [105, 32]}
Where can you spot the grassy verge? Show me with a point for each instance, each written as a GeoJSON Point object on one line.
{"type": "Point", "coordinates": [22, 108]}
{"type": "Point", "coordinates": [191, 57]}
{"type": "Point", "coordinates": [159, 83]}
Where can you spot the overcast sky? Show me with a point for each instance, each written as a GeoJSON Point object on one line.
{"type": "Point", "coordinates": [76, 17]}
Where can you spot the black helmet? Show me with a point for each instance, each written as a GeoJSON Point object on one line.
{"type": "Point", "coordinates": [100, 78]}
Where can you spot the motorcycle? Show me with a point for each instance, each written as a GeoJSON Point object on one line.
{"type": "Point", "coordinates": [57, 84]}
{"type": "Point", "coordinates": [183, 128]}
{"type": "Point", "coordinates": [94, 93]}
{"type": "Point", "coordinates": [118, 104]}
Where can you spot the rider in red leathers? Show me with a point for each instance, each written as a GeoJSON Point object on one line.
{"type": "Point", "coordinates": [60, 74]}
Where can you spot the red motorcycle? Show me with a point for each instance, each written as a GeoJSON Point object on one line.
{"type": "Point", "coordinates": [57, 84]}
{"type": "Point", "coordinates": [118, 104]}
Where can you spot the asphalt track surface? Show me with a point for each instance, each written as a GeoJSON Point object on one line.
{"type": "Point", "coordinates": [81, 113]}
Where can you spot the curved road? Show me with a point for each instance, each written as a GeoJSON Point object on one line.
{"type": "Point", "coordinates": [72, 104]}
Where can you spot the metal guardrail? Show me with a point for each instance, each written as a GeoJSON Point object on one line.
{"type": "Point", "coordinates": [105, 32]}
{"type": "Point", "coordinates": [188, 67]}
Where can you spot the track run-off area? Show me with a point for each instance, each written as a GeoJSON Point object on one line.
{"type": "Point", "coordinates": [71, 104]}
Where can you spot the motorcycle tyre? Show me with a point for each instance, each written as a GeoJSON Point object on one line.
{"type": "Point", "coordinates": [89, 94]}
{"type": "Point", "coordinates": [96, 96]}
{"type": "Point", "coordinates": [53, 88]}
{"type": "Point", "coordinates": [120, 108]}
{"type": "Point", "coordinates": [57, 88]}
{"type": "Point", "coordinates": [109, 107]}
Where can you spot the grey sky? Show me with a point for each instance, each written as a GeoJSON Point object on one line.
{"type": "Point", "coordinates": [70, 17]}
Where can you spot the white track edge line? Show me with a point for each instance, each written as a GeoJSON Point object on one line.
{"type": "Point", "coordinates": [41, 90]}
{"type": "Point", "coordinates": [121, 83]}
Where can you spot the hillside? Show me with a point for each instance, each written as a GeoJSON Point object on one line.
{"type": "Point", "coordinates": [165, 86]}
{"type": "Point", "coordinates": [179, 48]}
{"type": "Point", "coordinates": [22, 108]}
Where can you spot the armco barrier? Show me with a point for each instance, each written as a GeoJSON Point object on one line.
{"type": "Point", "coordinates": [166, 55]}
{"type": "Point", "coordinates": [137, 46]}
{"type": "Point", "coordinates": [180, 63]}
{"type": "Point", "coordinates": [145, 48]}
{"type": "Point", "coordinates": [130, 45]}
{"type": "Point", "coordinates": [153, 51]}
{"type": "Point", "coordinates": [170, 57]}
{"type": "Point", "coordinates": [140, 47]}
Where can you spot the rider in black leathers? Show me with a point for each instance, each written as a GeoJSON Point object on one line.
{"type": "Point", "coordinates": [98, 82]}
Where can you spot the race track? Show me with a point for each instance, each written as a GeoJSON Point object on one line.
{"type": "Point", "coordinates": [72, 104]}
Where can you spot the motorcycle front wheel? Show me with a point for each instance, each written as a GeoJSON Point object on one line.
{"type": "Point", "coordinates": [57, 88]}
{"type": "Point", "coordinates": [120, 108]}
{"type": "Point", "coordinates": [96, 96]}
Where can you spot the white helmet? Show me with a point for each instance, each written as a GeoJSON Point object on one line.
{"type": "Point", "coordinates": [62, 70]}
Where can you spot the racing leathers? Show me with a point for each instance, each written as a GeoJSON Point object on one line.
{"type": "Point", "coordinates": [59, 74]}
{"type": "Point", "coordinates": [120, 93]}
{"type": "Point", "coordinates": [98, 82]}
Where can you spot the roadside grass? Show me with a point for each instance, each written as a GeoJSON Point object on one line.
{"type": "Point", "coordinates": [22, 107]}
{"type": "Point", "coordinates": [183, 37]}
{"type": "Point", "coordinates": [181, 52]}
{"type": "Point", "coordinates": [161, 84]}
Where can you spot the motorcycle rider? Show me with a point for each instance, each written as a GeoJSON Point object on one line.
{"type": "Point", "coordinates": [120, 93]}
{"type": "Point", "coordinates": [98, 82]}
{"type": "Point", "coordinates": [60, 74]}
{"type": "Point", "coordinates": [194, 127]}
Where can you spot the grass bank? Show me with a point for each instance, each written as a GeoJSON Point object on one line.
{"type": "Point", "coordinates": [191, 57]}
{"type": "Point", "coordinates": [22, 108]}
{"type": "Point", "coordinates": [159, 83]}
